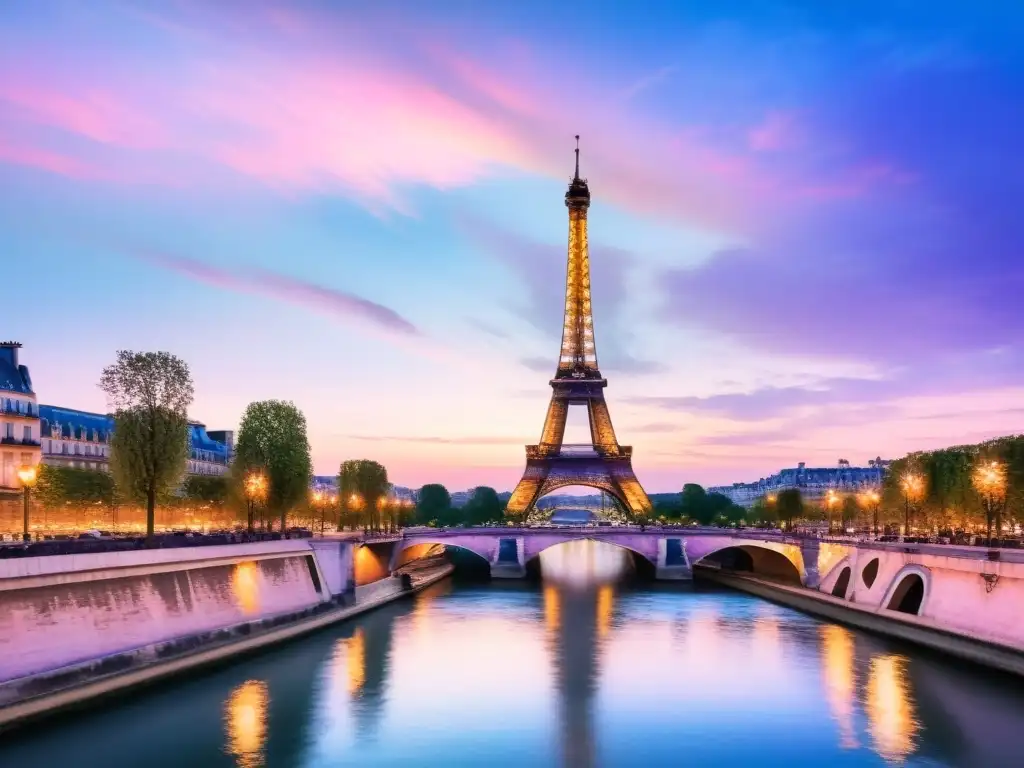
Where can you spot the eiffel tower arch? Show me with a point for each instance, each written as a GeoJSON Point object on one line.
{"type": "Point", "coordinates": [602, 463]}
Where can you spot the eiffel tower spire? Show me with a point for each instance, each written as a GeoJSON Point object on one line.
{"type": "Point", "coordinates": [602, 463]}
{"type": "Point", "coordinates": [578, 357]}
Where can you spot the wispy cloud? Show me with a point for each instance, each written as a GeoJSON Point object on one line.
{"type": "Point", "coordinates": [253, 280]}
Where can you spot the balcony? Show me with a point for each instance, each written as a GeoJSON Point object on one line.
{"type": "Point", "coordinates": [25, 411]}
{"type": "Point", "coordinates": [19, 441]}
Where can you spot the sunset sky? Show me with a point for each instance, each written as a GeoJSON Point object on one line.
{"type": "Point", "coordinates": [807, 233]}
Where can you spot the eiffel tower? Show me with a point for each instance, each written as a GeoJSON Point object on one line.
{"type": "Point", "coordinates": [603, 463]}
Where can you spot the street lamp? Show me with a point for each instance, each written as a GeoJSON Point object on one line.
{"type": "Point", "coordinates": [871, 500]}
{"type": "Point", "coordinates": [913, 488]}
{"type": "Point", "coordinates": [255, 489]}
{"type": "Point", "coordinates": [832, 500]}
{"type": "Point", "coordinates": [990, 481]}
{"type": "Point", "coordinates": [319, 497]}
{"type": "Point", "coordinates": [27, 475]}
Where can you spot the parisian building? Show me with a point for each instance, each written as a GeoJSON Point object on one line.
{"type": "Point", "coordinates": [67, 437]}
{"type": "Point", "coordinates": [814, 483]}
{"type": "Point", "coordinates": [19, 417]}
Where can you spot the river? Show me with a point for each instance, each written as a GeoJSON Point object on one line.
{"type": "Point", "coordinates": [581, 670]}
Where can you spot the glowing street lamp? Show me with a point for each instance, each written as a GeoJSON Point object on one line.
{"type": "Point", "coordinates": [28, 475]}
{"type": "Point", "coordinates": [255, 490]}
{"type": "Point", "coordinates": [832, 499]}
{"type": "Point", "coordinates": [990, 482]}
{"type": "Point", "coordinates": [871, 499]}
{"type": "Point", "coordinates": [913, 490]}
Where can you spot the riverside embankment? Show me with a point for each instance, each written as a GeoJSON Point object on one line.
{"type": "Point", "coordinates": [929, 633]}
{"type": "Point", "coordinates": [74, 628]}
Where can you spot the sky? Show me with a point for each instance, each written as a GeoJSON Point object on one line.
{"type": "Point", "coordinates": [807, 238]}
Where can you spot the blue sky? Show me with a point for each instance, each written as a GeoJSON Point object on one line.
{"type": "Point", "coordinates": [805, 235]}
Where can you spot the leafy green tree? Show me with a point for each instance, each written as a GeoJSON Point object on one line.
{"type": "Point", "coordinates": [734, 514]}
{"type": "Point", "coordinates": [718, 506]}
{"type": "Point", "coordinates": [433, 504]}
{"type": "Point", "coordinates": [789, 505]}
{"type": "Point", "coordinates": [693, 503]}
{"type": "Point", "coordinates": [151, 393]}
{"type": "Point", "coordinates": [60, 486]}
{"type": "Point", "coordinates": [272, 439]}
{"type": "Point", "coordinates": [483, 507]}
{"type": "Point", "coordinates": [362, 489]}
{"type": "Point", "coordinates": [205, 489]}
{"type": "Point", "coordinates": [849, 511]}
{"type": "Point", "coordinates": [763, 512]}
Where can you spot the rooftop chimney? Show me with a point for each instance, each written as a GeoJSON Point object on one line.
{"type": "Point", "coordinates": [9, 352]}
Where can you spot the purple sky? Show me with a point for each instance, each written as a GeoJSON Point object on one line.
{"type": "Point", "coordinates": [807, 239]}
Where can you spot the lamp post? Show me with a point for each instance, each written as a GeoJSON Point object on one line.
{"type": "Point", "coordinates": [990, 481]}
{"type": "Point", "coordinates": [355, 502]}
{"type": "Point", "coordinates": [831, 500]}
{"type": "Point", "coordinates": [318, 505]}
{"type": "Point", "coordinates": [913, 488]}
{"type": "Point", "coordinates": [27, 475]}
{"type": "Point", "coordinates": [871, 500]}
{"type": "Point", "coordinates": [255, 488]}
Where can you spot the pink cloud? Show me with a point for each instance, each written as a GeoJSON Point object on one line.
{"type": "Point", "coordinates": [262, 282]}
{"type": "Point", "coordinates": [46, 160]}
{"type": "Point", "coordinates": [778, 131]}
{"type": "Point", "coordinates": [95, 114]}
{"type": "Point", "coordinates": [298, 103]}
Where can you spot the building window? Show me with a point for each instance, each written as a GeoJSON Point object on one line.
{"type": "Point", "coordinates": [9, 430]}
{"type": "Point", "coordinates": [27, 434]}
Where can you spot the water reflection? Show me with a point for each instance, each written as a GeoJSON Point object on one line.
{"type": "Point", "coordinates": [891, 719]}
{"type": "Point", "coordinates": [584, 563]}
{"type": "Point", "coordinates": [572, 674]}
{"type": "Point", "coordinates": [246, 588]}
{"type": "Point", "coordinates": [245, 719]}
{"type": "Point", "coordinates": [837, 656]}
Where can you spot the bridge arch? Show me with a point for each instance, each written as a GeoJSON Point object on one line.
{"type": "Point", "coordinates": [834, 582]}
{"type": "Point", "coordinates": [644, 562]}
{"type": "Point", "coordinates": [412, 549]}
{"type": "Point", "coordinates": [909, 590]}
{"type": "Point", "coordinates": [767, 558]}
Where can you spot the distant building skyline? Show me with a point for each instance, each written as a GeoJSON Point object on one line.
{"type": "Point", "coordinates": [813, 482]}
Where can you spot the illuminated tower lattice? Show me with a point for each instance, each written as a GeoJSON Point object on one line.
{"type": "Point", "coordinates": [603, 463]}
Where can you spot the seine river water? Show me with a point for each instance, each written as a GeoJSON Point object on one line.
{"type": "Point", "coordinates": [581, 670]}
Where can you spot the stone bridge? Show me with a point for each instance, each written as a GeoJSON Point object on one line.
{"type": "Point", "coordinates": [672, 552]}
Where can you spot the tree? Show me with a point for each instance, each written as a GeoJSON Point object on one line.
{"type": "Point", "coordinates": [433, 504]}
{"type": "Point", "coordinates": [362, 488]}
{"type": "Point", "coordinates": [717, 506]}
{"type": "Point", "coordinates": [789, 505]}
{"type": "Point", "coordinates": [272, 439]}
{"type": "Point", "coordinates": [483, 507]}
{"type": "Point", "coordinates": [150, 393]}
{"type": "Point", "coordinates": [693, 503]}
{"type": "Point", "coordinates": [849, 511]}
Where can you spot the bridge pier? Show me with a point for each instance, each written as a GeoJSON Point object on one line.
{"type": "Point", "coordinates": [673, 563]}
{"type": "Point", "coordinates": [509, 561]}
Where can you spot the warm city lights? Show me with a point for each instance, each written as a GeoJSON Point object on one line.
{"type": "Point", "coordinates": [27, 475]}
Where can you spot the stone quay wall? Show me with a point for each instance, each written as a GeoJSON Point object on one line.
{"type": "Point", "coordinates": [61, 611]}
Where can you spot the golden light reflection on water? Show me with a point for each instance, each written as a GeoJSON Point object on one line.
{"type": "Point", "coordinates": [245, 718]}
{"type": "Point", "coordinates": [840, 680]}
{"type": "Point", "coordinates": [355, 661]}
{"type": "Point", "coordinates": [246, 588]}
{"type": "Point", "coordinates": [605, 604]}
{"type": "Point", "coordinates": [584, 563]}
{"type": "Point", "coordinates": [892, 721]}
{"type": "Point", "coordinates": [551, 608]}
